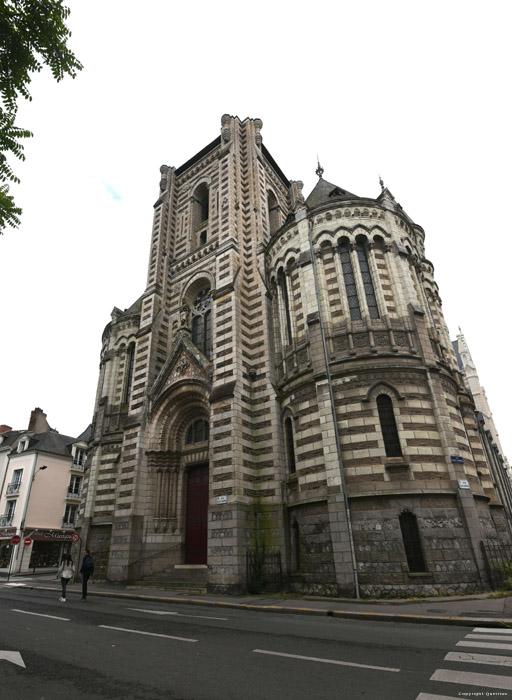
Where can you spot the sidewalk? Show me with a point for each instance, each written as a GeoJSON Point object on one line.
{"type": "Point", "coordinates": [473, 610]}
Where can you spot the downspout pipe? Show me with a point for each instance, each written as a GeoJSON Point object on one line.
{"type": "Point", "coordinates": [333, 412]}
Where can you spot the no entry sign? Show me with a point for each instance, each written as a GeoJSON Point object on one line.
{"type": "Point", "coordinates": [16, 539]}
{"type": "Point", "coordinates": [27, 541]}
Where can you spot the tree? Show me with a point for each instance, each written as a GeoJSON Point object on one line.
{"type": "Point", "coordinates": [33, 33]}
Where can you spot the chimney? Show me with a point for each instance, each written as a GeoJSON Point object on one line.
{"type": "Point", "coordinates": [5, 428]}
{"type": "Point", "coordinates": [38, 422]}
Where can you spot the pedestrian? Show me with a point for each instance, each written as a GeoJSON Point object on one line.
{"type": "Point", "coordinates": [87, 570]}
{"type": "Point", "coordinates": [66, 572]}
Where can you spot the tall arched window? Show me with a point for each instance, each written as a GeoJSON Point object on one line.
{"type": "Point", "coordinates": [281, 280]}
{"type": "Point", "coordinates": [290, 448]}
{"type": "Point", "coordinates": [369, 289]}
{"type": "Point", "coordinates": [412, 542]}
{"type": "Point", "coordinates": [200, 205]}
{"type": "Point", "coordinates": [202, 322]}
{"type": "Point", "coordinates": [350, 281]}
{"type": "Point", "coordinates": [388, 426]}
{"type": "Point", "coordinates": [273, 213]}
{"type": "Point", "coordinates": [199, 431]}
{"type": "Point", "coordinates": [130, 359]}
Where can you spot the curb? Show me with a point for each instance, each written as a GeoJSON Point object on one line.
{"type": "Point", "coordinates": [342, 614]}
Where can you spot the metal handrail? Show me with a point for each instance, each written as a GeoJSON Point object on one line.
{"type": "Point", "coordinates": [13, 488]}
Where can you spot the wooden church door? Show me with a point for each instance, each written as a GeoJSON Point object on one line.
{"type": "Point", "coordinates": [196, 525]}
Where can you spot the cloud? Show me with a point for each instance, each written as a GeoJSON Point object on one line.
{"type": "Point", "coordinates": [111, 190]}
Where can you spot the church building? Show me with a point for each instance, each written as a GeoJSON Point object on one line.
{"type": "Point", "coordinates": [282, 407]}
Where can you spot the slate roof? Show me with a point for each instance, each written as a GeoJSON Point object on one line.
{"type": "Point", "coordinates": [325, 192]}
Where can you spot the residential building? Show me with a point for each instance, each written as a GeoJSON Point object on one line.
{"type": "Point", "coordinates": [41, 474]}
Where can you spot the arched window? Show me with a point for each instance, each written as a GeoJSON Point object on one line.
{"type": "Point", "coordinates": [369, 290]}
{"type": "Point", "coordinates": [290, 448]}
{"type": "Point", "coordinates": [388, 426]}
{"type": "Point", "coordinates": [130, 358]}
{"type": "Point", "coordinates": [281, 280]}
{"type": "Point", "coordinates": [199, 215]}
{"type": "Point", "coordinates": [202, 322]}
{"type": "Point", "coordinates": [199, 431]}
{"type": "Point", "coordinates": [412, 542]}
{"type": "Point", "coordinates": [350, 282]}
{"type": "Point", "coordinates": [273, 213]}
{"type": "Point", "coordinates": [200, 205]}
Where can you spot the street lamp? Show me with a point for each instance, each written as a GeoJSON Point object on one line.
{"type": "Point", "coordinates": [25, 508]}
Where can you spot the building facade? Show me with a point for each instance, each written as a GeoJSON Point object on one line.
{"type": "Point", "coordinates": [284, 396]}
{"type": "Point", "coordinates": [41, 475]}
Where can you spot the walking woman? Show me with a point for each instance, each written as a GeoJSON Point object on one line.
{"type": "Point", "coordinates": [66, 572]}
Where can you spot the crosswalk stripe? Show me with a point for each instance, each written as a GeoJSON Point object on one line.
{"type": "Point", "coordinates": [480, 679]}
{"type": "Point", "coordinates": [492, 660]}
{"type": "Point", "coordinates": [489, 636]}
{"type": "Point", "coordinates": [428, 696]}
{"type": "Point", "coordinates": [484, 645]}
{"type": "Point", "coordinates": [487, 630]}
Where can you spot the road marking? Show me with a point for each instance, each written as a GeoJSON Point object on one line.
{"type": "Point", "coordinates": [481, 679]}
{"type": "Point", "coordinates": [13, 656]}
{"type": "Point", "coordinates": [484, 645]}
{"type": "Point", "coordinates": [325, 661]}
{"type": "Point", "coordinates": [53, 617]}
{"type": "Point", "coordinates": [163, 612]}
{"type": "Point", "coordinates": [490, 659]}
{"type": "Point", "coordinates": [14, 584]}
{"type": "Point", "coordinates": [428, 696]}
{"type": "Point", "coordinates": [149, 634]}
{"type": "Point", "coordinates": [488, 636]}
{"type": "Point", "coordinates": [494, 631]}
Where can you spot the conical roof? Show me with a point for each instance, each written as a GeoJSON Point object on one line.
{"type": "Point", "coordinates": [325, 192]}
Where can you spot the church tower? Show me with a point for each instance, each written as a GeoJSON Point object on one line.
{"type": "Point", "coordinates": [282, 406]}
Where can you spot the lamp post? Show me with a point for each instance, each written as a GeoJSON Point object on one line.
{"type": "Point", "coordinates": [22, 524]}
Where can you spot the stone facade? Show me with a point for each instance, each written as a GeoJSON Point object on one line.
{"type": "Point", "coordinates": [286, 384]}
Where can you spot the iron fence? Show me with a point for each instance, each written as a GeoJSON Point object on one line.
{"type": "Point", "coordinates": [264, 572]}
{"type": "Point", "coordinates": [498, 556]}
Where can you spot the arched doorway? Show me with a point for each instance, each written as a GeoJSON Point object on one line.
{"type": "Point", "coordinates": [196, 514]}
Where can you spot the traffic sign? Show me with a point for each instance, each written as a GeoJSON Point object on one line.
{"type": "Point", "coordinates": [75, 537]}
{"type": "Point", "coordinates": [16, 539]}
{"type": "Point", "coordinates": [27, 541]}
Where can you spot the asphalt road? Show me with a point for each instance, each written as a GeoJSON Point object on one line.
{"type": "Point", "coordinates": [105, 649]}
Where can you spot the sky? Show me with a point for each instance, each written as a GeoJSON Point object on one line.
{"type": "Point", "coordinates": [417, 93]}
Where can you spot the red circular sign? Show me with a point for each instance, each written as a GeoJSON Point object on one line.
{"type": "Point", "coordinates": [16, 539]}
{"type": "Point", "coordinates": [27, 541]}
{"type": "Point", "coordinates": [75, 537]}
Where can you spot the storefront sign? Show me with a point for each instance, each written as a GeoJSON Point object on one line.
{"type": "Point", "coordinates": [7, 532]}
{"type": "Point", "coordinates": [53, 535]}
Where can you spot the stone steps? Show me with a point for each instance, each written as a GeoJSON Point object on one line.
{"type": "Point", "coordinates": [182, 577]}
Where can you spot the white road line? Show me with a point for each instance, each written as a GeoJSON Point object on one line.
{"type": "Point", "coordinates": [325, 661]}
{"type": "Point", "coordinates": [177, 614]}
{"type": "Point", "coordinates": [490, 630]}
{"type": "Point", "coordinates": [428, 696]}
{"type": "Point", "coordinates": [149, 634]}
{"type": "Point", "coordinates": [490, 659]}
{"type": "Point", "coordinates": [489, 636]}
{"type": "Point", "coordinates": [481, 679]}
{"type": "Point", "coordinates": [484, 645]}
{"type": "Point", "coordinates": [53, 617]}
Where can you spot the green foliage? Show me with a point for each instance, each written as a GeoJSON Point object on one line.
{"type": "Point", "coordinates": [33, 33]}
{"type": "Point", "coordinates": [506, 568]}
